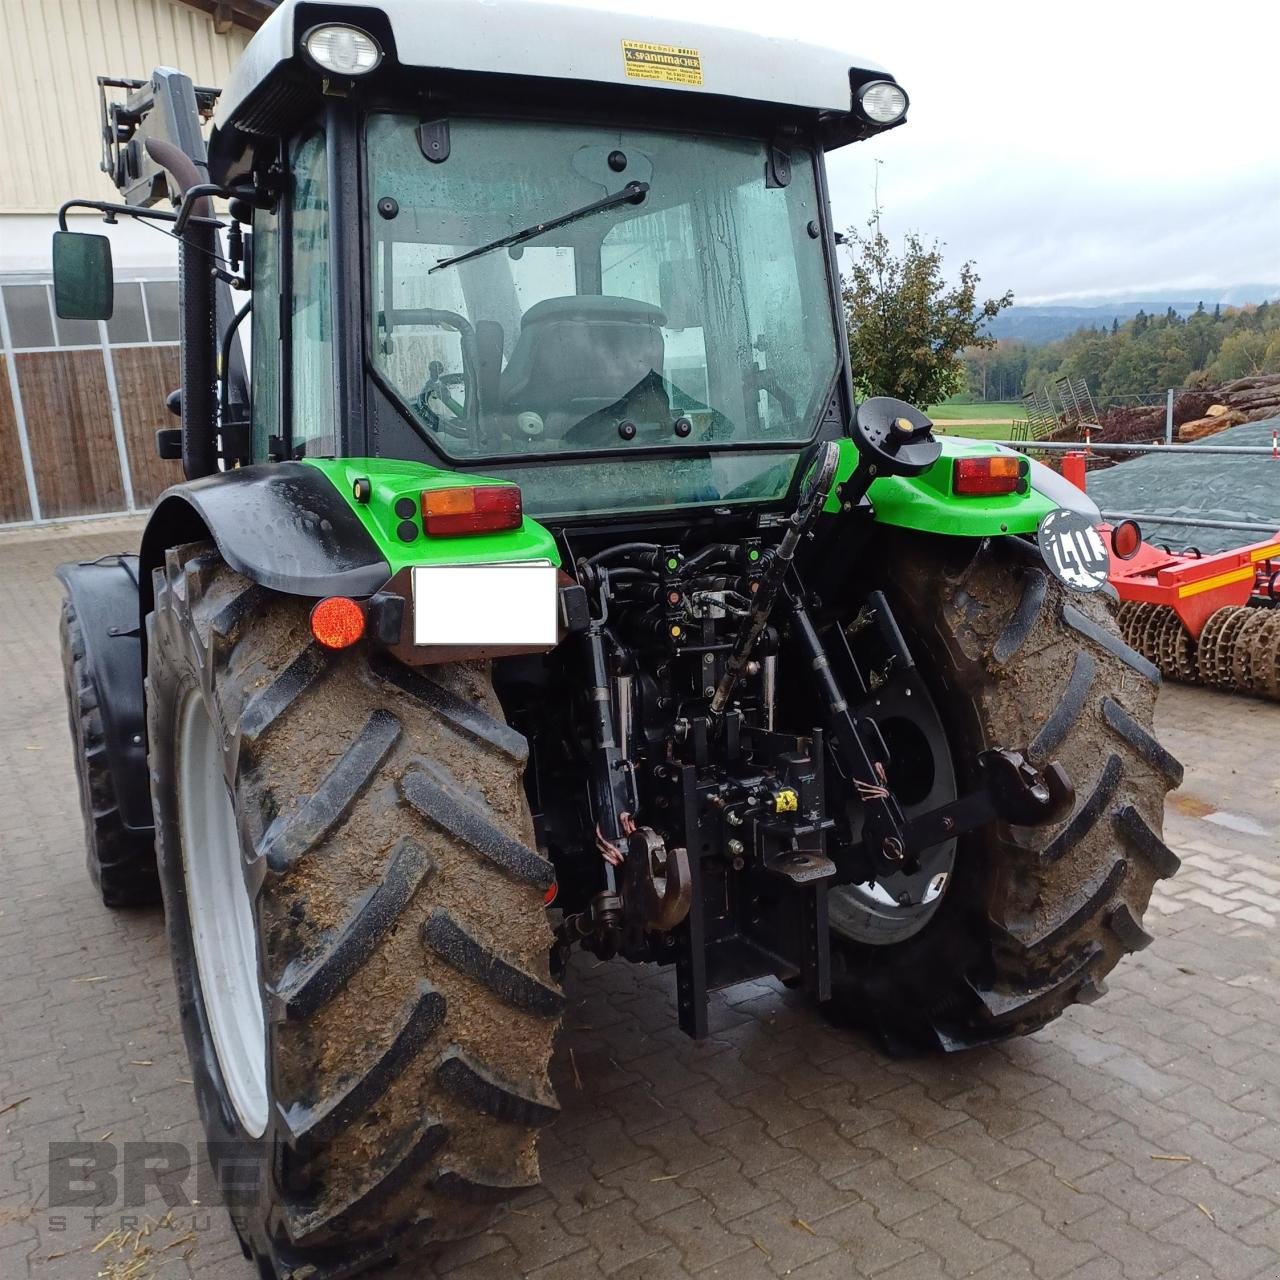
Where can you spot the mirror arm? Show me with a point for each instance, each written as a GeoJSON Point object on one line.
{"type": "Point", "coordinates": [111, 211]}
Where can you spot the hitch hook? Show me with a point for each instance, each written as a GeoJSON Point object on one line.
{"type": "Point", "coordinates": [1022, 794]}
{"type": "Point", "coordinates": [660, 881]}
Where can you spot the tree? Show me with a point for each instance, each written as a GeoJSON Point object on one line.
{"type": "Point", "coordinates": [907, 330]}
{"type": "Point", "coordinates": [1242, 353]}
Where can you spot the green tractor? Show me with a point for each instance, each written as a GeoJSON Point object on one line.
{"type": "Point", "coordinates": [538, 584]}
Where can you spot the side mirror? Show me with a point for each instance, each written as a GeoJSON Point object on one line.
{"type": "Point", "coordinates": [83, 281]}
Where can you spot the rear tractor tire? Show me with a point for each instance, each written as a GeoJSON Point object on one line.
{"type": "Point", "coordinates": [357, 926]}
{"type": "Point", "coordinates": [1033, 918]}
{"type": "Point", "coordinates": [122, 861]}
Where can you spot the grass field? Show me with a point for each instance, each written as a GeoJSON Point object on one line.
{"type": "Point", "coordinates": [990, 420]}
{"type": "Point", "coordinates": [975, 430]}
{"type": "Point", "coordinates": [991, 411]}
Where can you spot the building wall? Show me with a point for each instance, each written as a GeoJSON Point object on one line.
{"type": "Point", "coordinates": [80, 402]}
{"type": "Point", "coordinates": [50, 56]}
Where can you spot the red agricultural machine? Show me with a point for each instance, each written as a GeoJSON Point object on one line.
{"type": "Point", "coordinates": [1202, 618]}
{"type": "Point", "coordinates": [1206, 619]}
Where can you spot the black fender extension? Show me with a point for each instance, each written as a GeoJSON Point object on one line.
{"type": "Point", "coordinates": [104, 594]}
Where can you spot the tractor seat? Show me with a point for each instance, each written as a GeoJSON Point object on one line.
{"type": "Point", "coordinates": [578, 354]}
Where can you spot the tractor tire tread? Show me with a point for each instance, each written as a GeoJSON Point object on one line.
{"type": "Point", "coordinates": [457, 946]}
{"type": "Point", "coordinates": [346, 875]}
{"type": "Point", "coordinates": [1040, 915]}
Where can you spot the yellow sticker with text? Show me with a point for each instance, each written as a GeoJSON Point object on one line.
{"type": "Point", "coordinates": [667, 62]}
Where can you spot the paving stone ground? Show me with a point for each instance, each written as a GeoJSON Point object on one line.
{"type": "Point", "coordinates": [1134, 1139]}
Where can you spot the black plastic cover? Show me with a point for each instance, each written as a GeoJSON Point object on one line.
{"type": "Point", "coordinates": [282, 525]}
{"type": "Point", "coordinates": [105, 596]}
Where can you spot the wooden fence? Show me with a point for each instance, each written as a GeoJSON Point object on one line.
{"type": "Point", "coordinates": [80, 403]}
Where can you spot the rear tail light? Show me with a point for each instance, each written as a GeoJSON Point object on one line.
{"type": "Point", "coordinates": [989, 476]}
{"type": "Point", "coordinates": [1126, 539]}
{"type": "Point", "coordinates": [337, 623]}
{"type": "Point", "coordinates": [481, 508]}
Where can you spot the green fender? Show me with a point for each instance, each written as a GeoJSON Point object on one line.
{"type": "Point", "coordinates": [927, 503]}
{"type": "Point", "coordinates": [401, 539]}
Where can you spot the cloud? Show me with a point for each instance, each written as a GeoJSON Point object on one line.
{"type": "Point", "coordinates": [1092, 148]}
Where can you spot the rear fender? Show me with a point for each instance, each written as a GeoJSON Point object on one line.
{"type": "Point", "coordinates": [105, 597]}
{"type": "Point", "coordinates": [282, 525]}
{"type": "Point", "coordinates": [928, 504]}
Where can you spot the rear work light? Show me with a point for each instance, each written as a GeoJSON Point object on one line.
{"type": "Point", "coordinates": [990, 476]}
{"type": "Point", "coordinates": [481, 508]}
{"type": "Point", "coordinates": [347, 51]}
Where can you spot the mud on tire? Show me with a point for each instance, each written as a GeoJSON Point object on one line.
{"type": "Point", "coordinates": [1034, 918]}
{"type": "Point", "coordinates": [122, 862]}
{"type": "Point", "coordinates": [401, 935]}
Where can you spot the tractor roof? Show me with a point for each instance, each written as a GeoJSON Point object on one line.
{"type": "Point", "coordinates": [539, 38]}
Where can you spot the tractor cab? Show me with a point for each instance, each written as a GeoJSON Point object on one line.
{"type": "Point", "coordinates": [606, 274]}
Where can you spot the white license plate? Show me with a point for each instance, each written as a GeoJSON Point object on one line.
{"type": "Point", "coordinates": [484, 605]}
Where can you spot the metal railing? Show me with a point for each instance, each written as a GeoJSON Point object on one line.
{"type": "Point", "coordinates": [1193, 522]}
{"type": "Point", "coordinates": [1068, 446]}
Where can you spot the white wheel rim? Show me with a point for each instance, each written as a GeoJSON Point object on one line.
{"type": "Point", "coordinates": [222, 928]}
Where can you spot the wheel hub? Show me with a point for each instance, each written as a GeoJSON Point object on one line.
{"type": "Point", "coordinates": [897, 904]}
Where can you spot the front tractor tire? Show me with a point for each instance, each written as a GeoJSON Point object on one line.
{"type": "Point", "coordinates": [357, 927]}
{"type": "Point", "coordinates": [122, 861]}
{"type": "Point", "coordinates": [1034, 918]}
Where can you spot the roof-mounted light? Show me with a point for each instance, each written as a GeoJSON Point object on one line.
{"type": "Point", "coordinates": [343, 50]}
{"type": "Point", "coordinates": [882, 102]}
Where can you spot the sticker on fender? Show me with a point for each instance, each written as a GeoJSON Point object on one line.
{"type": "Point", "coordinates": [1074, 550]}
{"type": "Point", "coordinates": [485, 605]}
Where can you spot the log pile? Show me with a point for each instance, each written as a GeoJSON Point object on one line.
{"type": "Point", "coordinates": [1197, 414]}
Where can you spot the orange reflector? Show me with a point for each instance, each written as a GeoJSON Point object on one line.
{"type": "Point", "coordinates": [989, 476]}
{"type": "Point", "coordinates": [481, 508]}
{"type": "Point", "coordinates": [550, 896]}
{"type": "Point", "coordinates": [1126, 539]}
{"type": "Point", "coordinates": [337, 623]}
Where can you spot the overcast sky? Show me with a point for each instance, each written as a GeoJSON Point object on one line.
{"type": "Point", "coordinates": [1091, 148]}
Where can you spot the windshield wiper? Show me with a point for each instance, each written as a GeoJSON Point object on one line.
{"type": "Point", "coordinates": [632, 193]}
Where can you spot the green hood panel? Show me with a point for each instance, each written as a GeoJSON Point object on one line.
{"type": "Point", "coordinates": [927, 503]}
{"type": "Point", "coordinates": [391, 480]}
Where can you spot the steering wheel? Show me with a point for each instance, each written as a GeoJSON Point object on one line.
{"type": "Point", "coordinates": [437, 385]}
{"type": "Point", "coordinates": [438, 381]}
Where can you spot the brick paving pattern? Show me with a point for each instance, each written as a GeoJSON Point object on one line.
{"type": "Point", "coordinates": [1134, 1138]}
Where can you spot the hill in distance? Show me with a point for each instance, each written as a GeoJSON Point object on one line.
{"type": "Point", "coordinates": [1046, 322]}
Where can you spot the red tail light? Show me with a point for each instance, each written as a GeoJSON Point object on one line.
{"type": "Point", "coordinates": [481, 508]}
{"type": "Point", "coordinates": [990, 476]}
{"type": "Point", "coordinates": [337, 623]}
{"type": "Point", "coordinates": [1126, 539]}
